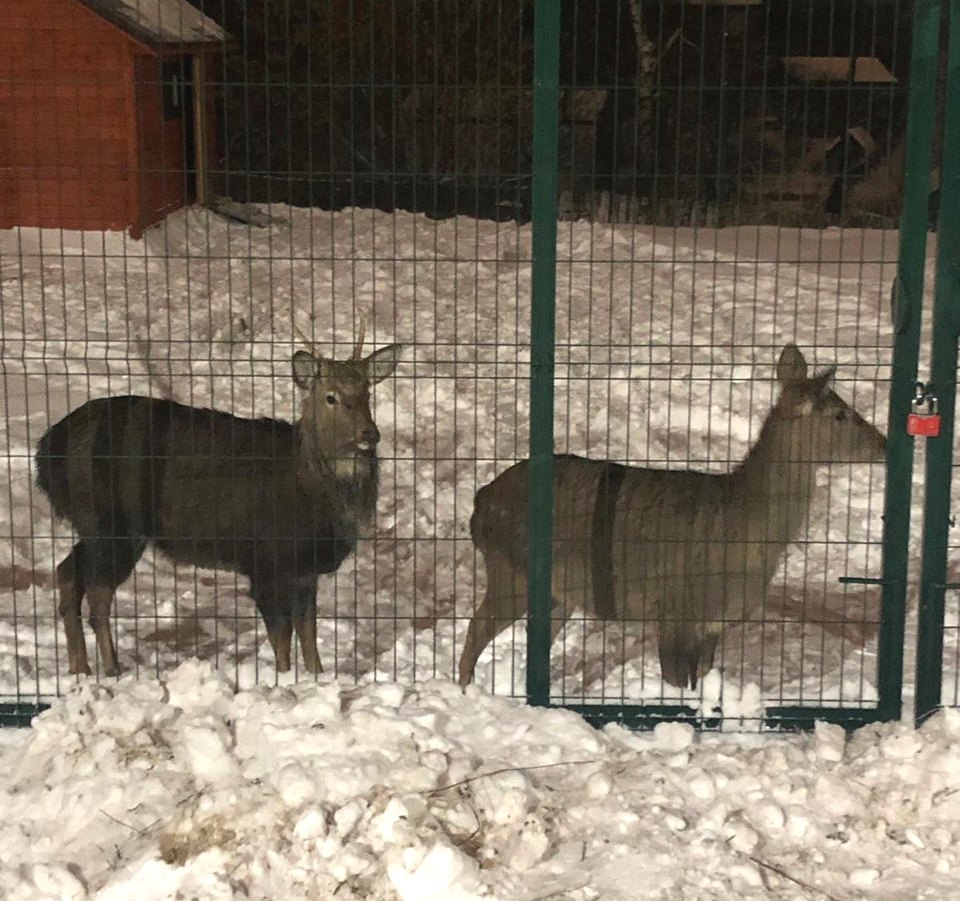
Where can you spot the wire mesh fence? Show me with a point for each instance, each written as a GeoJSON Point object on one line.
{"type": "Point", "coordinates": [195, 191]}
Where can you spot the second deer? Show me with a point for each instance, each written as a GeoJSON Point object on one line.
{"type": "Point", "coordinates": [693, 550]}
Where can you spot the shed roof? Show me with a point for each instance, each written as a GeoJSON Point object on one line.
{"type": "Point", "coordinates": [837, 68]}
{"type": "Point", "coordinates": [159, 22]}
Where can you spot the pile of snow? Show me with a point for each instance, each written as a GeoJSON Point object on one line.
{"type": "Point", "coordinates": [183, 788]}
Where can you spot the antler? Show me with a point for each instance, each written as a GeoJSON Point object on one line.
{"type": "Point", "coordinates": [358, 349]}
{"type": "Point", "coordinates": [305, 338]}
{"type": "Point", "coordinates": [363, 329]}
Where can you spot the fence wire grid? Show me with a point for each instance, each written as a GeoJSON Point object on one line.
{"type": "Point", "coordinates": [191, 193]}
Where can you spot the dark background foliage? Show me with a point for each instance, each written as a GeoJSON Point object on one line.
{"type": "Point", "coordinates": [426, 105]}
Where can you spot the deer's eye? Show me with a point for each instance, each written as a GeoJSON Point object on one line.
{"type": "Point", "coordinates": [332, 399]}
{"type": "Point", "coordinates": [840, 415]}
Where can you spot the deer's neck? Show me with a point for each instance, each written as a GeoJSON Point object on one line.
{"type": "Point", "coordinates": [347, 484]}
{"type": "Point", "coordinates": [773, 484]}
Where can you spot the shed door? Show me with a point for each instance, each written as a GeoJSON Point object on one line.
{"type": "Point", "coordinates": [167, 153]}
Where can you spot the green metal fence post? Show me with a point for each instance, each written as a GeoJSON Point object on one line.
{"type": "Point", "coordinates": [546, 101]}
{"type": "Point", "coordinates": [907, 309]}
{"type": "Point", "coordinates": [943, 382]}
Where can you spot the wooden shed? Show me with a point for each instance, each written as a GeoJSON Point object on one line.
{"type": "Point", "coordinates": [107, 112]}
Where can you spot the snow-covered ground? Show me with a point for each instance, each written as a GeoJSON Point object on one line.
{"type": "Point", "coordinates": [667, 342]}
{"type": "Point", "coordinates": [383, 780]}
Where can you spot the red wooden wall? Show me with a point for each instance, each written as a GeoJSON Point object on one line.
{"type": "Point", "coordinates": [83, 140]}
{"type": "Point", "coordinates": [67, 148]}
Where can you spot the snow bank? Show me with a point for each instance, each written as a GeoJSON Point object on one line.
{"type": "Point", "coordinates": [182, 788]}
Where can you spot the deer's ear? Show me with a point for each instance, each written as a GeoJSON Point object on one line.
{"type": "Point", "coordinates": [381, 363]}
{"type": "Point", "coordinates": [791, 367]}
{"type": "Point", "coordinates": [305, 369]}
{"type": "Point", "coordinates": [823, 381]}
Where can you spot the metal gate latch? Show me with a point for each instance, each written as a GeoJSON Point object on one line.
{"type": "Point", "coordinates": [923, 420]}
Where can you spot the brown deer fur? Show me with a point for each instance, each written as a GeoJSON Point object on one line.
{"type": "Point", "coordinates": [694, 550]}
{"type": "Point", "coordinates": [276, 501]}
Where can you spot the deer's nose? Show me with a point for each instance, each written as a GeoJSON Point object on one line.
{"type": "Point", "coordinates": [368, 436]}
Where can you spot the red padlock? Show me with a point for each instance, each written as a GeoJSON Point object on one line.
{"type": "Point", "coordinates": [926, 424]}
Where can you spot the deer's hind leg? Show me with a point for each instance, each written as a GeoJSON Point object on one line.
{"type": "Point", "coordinates": [106, 564]}
{"type": "Point", "coordinates": [71, 589]}
{"type": "Point", "coordinates": [504, 603]}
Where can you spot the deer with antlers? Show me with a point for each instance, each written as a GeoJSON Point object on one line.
{"type": "Point", "coordinates": [279, 502]}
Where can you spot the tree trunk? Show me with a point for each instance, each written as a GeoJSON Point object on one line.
{"type": "Point", "coordinates": [646, 68]}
